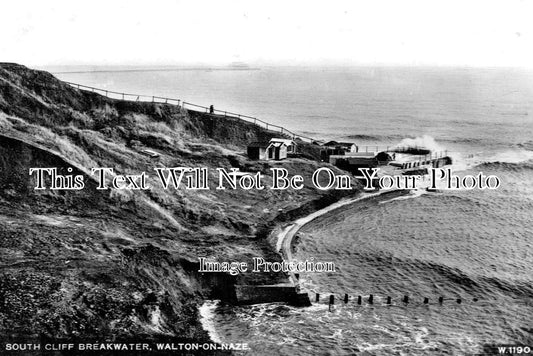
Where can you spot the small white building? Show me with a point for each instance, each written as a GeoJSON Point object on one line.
{"type": "Point", "coordinates": [290, 144]}
{"type": "Point", "coordinates": [275, 149]}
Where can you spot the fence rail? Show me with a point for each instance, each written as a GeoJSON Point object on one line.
{"type": "Point", "coordinates": [186, 105]}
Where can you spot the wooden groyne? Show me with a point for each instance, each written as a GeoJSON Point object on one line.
{"type": "Point", "coordinates": [406, 300]}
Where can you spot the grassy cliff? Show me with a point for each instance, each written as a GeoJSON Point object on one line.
{"type": "Point", "coordinates": [94, 263]}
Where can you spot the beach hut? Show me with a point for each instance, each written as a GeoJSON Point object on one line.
{"type": "Point", "coordinates": [258, 150]}
{"type": "Point", "coordinates": [290, 144]}
{"type": "Point", "coordinates": [275, 149]}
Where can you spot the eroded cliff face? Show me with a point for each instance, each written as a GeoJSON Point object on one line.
{"type": "Point", "coordinates": [108, 263]}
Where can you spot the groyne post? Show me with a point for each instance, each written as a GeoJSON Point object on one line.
{"type": "Point", "coordinates": [405, 299]}
{"type": "Point", "coordinates": [388, 300]}
{"type": "Point", "coordinates": [359, 300]}
{"type": "Point", "coordinates": [426, 300]}
{"type": "Point", "coordinates": [371, 299]}
{"type": "Point", "coordinates": [345, 298]}
{"type": "Point", "coordinates": [331, 301]}
{"type": "Point", "coordinates": [317, 298]}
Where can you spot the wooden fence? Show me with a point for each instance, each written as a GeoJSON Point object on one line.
{"type": "Point", "coordinates": [190, 106]}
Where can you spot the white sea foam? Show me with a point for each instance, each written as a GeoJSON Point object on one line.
{"type": "Point", "coordinates": [207, 315]}
{"type": "Point", "coordinates": [415, 193]}
{"type": "Point", "coordinates": [512, 156]}
{"type": "Point", "coordinates": [462, 162]}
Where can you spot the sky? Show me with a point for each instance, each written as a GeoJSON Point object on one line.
{"type": "Point", "coordinates": [289, 32]}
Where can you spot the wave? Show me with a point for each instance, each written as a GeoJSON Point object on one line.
{"type": "Point", "coordinates": [368, 137]}
{"type": "Point", "coordinates": [453, 279]}
{"type": "Point", "coordinates": [513, 160]}
{"type": "Point", "coordinates": [467, 140]}
{"type": "Point", "coordinates": [510, 160]}
{"type": "Point", "coordinates": [528, 145]}
{"type": "Point", "coordinates": [506, 166]}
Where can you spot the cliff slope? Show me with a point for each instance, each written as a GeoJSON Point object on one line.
{"type": "Point", "coordinates": [107, 263]}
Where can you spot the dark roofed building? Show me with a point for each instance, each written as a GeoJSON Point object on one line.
{"type": "Point", "coordinates": [257, 150]}
{"type": "Point", "coordinates": [332, 148]}
{"type": "Point", "coordinates": [346, 146]}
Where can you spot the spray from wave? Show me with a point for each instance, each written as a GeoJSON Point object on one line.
{"type": "Point", "coordinates": [424, 141]}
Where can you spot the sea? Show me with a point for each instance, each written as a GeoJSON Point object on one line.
{"type": "Point", "coordinates": [475, 246]}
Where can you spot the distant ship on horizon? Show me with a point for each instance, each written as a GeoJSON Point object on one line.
{"type": "Point", "coordinates": [240, 66]}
